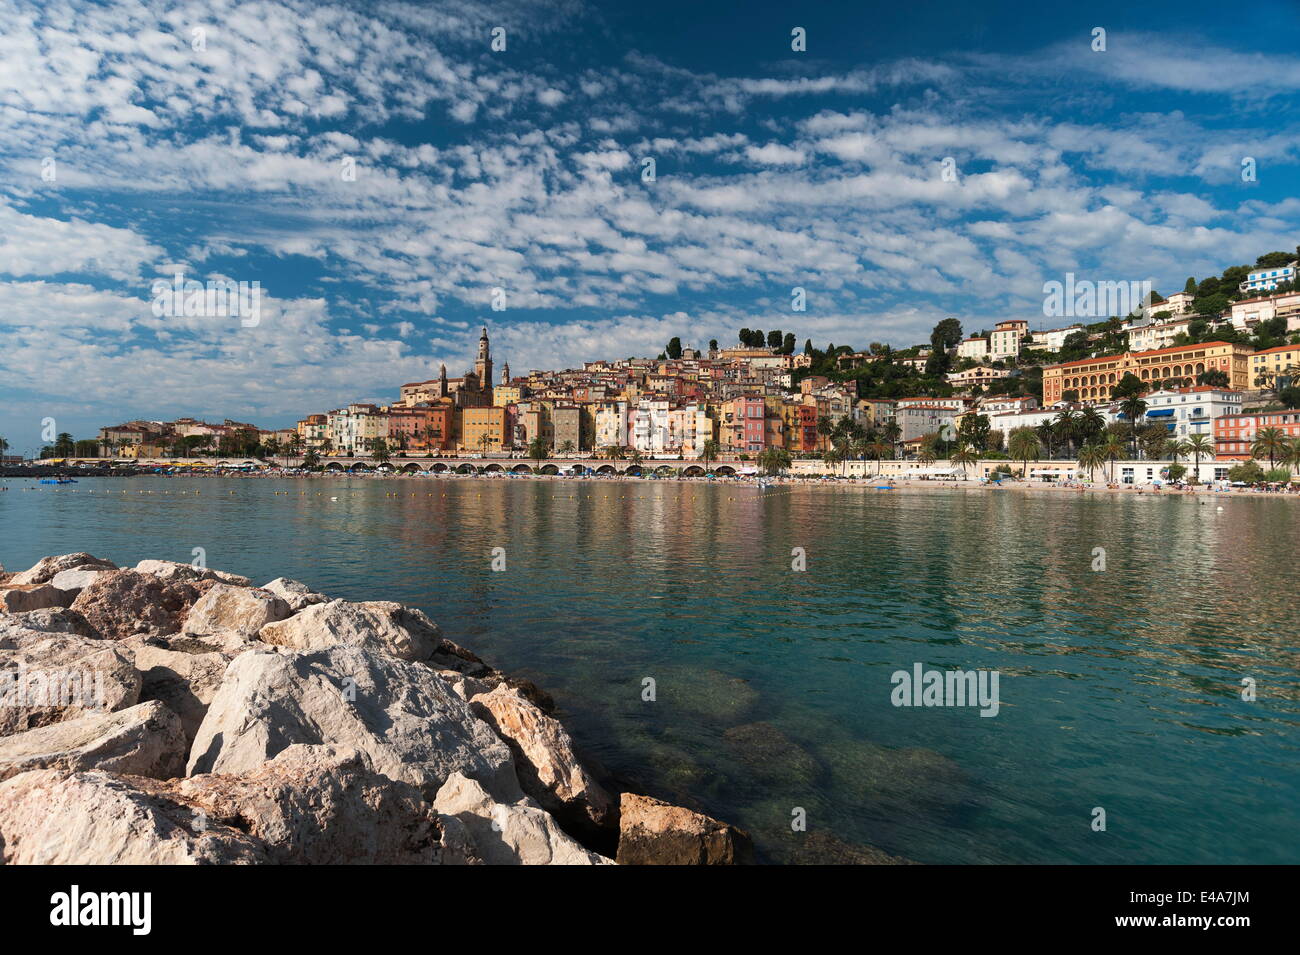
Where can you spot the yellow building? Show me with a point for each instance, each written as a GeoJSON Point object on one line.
{"type": "Point", "coordinates": [1093, 378]}
{"type": "Point", "coordinates": [478, 424]}
{"type": "Point", "coordinates": [1268, 364]}
{"type": "Point", "coordinates": [503, 395]}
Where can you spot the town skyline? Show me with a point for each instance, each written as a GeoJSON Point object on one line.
{"type": "Point", "coordinates": [895, 176]}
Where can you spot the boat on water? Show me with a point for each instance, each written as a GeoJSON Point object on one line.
{"type": "Point", "coordinates": [62, 480]}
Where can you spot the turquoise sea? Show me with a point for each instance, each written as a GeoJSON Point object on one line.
{"type": "Point", "coordinates": [1119, 689]}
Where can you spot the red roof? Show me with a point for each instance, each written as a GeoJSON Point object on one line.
{"type": "Point", "coordinates": [1154, 351]}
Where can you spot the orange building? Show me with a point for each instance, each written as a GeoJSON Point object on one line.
{"type": "Point", "coordinates": [483, 429]}
{"type": "Point", "coordinates": [1093, 378]}
{"type": "Point", "coordinates": [1235, 433]}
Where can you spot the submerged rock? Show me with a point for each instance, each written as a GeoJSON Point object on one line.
{"type": "Point", "coordinates": [402, 717]}
{"type": "Point", "coordinates": [377, 625]}
{"type": "Point", "coordinates": [654, 833]}
{"type": "Point", "coordinates": [771, 756]}
{"type": "Point", "coordinates": [146, 740]}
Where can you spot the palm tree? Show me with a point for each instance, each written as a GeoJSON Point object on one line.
{"type": "Point", "coordinates": [566, 447]}
{"type": "Point", "coordinates": [830, 457]}
{"type": "Point", "coordinates": [774, 460]}
{"type": "Point", "coordinates": [537, 449]}
{"type": "Point", "coordinates": [1291, 460]}
{"type": "Point", "coordinates": [708, 452]}
{"type": "Point", "coordinates": [636, 457]}
{"type": "Point", "coordinates": [1066, 427]}
{"type": "Point", "coordinates": [615, 452]}
{"type": "Point", "coordinates": [1270, 443]}
{"type": "Point", "coordinates": [824, 429]}
{"type": "Point", "coordinates": [1199, 445]}
{"type": "Point", "coordinates": [1092, 456]}
{"type": "Point", "coordinates": [893, 433]}
{"type": "Point", "coordinates": [1024, 444]}
{"type": "Point", "coordinates": [1113, 450]}
{"type": "Point", "coordinates": [1089, 424]}
{"type": "Point", "coordinates": [964, 456]}
{"type": "Point", "coordinates": [1133, 408]}
{"type": "Point", "coordinates": [926, 455]}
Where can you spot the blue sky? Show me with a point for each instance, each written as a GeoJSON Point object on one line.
{"type": "Point", "coordinates": [521, 169]}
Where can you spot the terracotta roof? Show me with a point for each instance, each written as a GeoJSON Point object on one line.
{"type": "Point", "coordinates": [1155, 351]}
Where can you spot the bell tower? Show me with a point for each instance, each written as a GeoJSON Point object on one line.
{"type": "Point", "coordinates": [483, 364]}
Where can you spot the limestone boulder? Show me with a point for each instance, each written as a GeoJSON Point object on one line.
{"type": "Point", "coordinates": [296, 594]}
{"type": "Point", "coordinates": [33, 597]}
{"type": "Point", "coordinates": [320, 805]}
{"type": "Point", "coordinates": [656, 833]}
{"type": "Point", "coordinates": [182, 672]}
{"type": "Point", "coordinates": [547, 766]}
{"type": "Point", "coordinates": [46, 568]}
{"type": "Point", "coordinates": [48, 620]}
{"type": "Point", "coordinates": [121, 603]}
{"type": "Point", "coordinates": [52, 817]}
{"type": "Point", "coordinates": [187, 573]}
{"type": "Point", "coordinates": [241, 609]}
{"type": "Point", "coordinates": [146, 740]}
{"type": "Point", "coordinates": [402, 717]}
{"type": "Point", "coordinates": [77, 579]}
{"type": "Point", "coordinates": [46, 678]}
{"type": "Point", "coordinates": [375, 625]}
{"type": "Point", "coordinates": [514, 833]}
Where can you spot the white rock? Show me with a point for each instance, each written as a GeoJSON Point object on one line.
{"type": "Point", "coordinates": [376, 625]}
{"type": "Point", "coordinates": [402, 717]}
{"type": "Point", "coordinates": [320, 805]}
{"type": "Point", "coordinates": [49, 677]}
{"type": "Point", "coordinates": [47, 620]}
{"type": "Point", "coordinates": [296, 594]}
{"type": "Point", "coordinates": [241, 609]}
{"type": "Point", "coordinates": [175, 570]}
{"type": "Point", "coordinates": [46, 568]}
{"type": "Point", "coordinates": [182, 672]}
{"type": "Point", "coordinates": [50, 817]}
{"type": "Point", "coordinates": [33, 597]}
{"type": "Point", "coordinates": [74, 580]}
{"type": "Point", "coordinates": [519, 833]}
{"type": "Point", "coordinates": [548, 769]}
{"type": "Point", "coordinates": [145, 740]}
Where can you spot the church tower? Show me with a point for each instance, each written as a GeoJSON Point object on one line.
{"type": "Point", "coordinates": [442, 381]}
{"type": "Point", "coordinates": [505, 373]}
{"type": "Point", "coordinates": [483, 364]}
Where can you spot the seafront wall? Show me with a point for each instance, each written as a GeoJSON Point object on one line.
{"type": "Point", "coordinates": [172, 714]}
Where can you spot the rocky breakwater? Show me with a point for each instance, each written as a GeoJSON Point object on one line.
{"type": "Point", "coordinates": [168, 714]}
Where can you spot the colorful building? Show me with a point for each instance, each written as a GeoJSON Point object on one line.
{"type": "Point", "coordinates": [1093, 378]}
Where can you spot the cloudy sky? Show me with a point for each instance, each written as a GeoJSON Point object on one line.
{"type": "Point", "coordinates": [380, 169]}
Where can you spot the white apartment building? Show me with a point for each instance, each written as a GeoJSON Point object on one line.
{"type": "Point", "coordinates": [1180, 303]}
{"type": "Point", "coordinates": [1249, 312]}
{"type": "Point", "coordinates": [1008, 421]}
{"type": "Point", "coordinates": [1265, 280]}
{"type": "Point", "coordinates": [650, 429]}
{"type": "Point", "coordinates": [980, 375]}
{"type": "Point", "coordinates": [975, 348]}
{"type": "Point", "coordinates": [1004, 341]}
{"type": "Point", "coordinates": [1153, 336]}
{"type": "Point", "coordinates": [999, 404]}
{"type": "Point", "coordinates": [1187, 411]}
{"type": "Point", "coordinates": [611, 420]}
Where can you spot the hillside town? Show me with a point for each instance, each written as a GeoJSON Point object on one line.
{"type": "Point", "coordinates": [1209, 369]}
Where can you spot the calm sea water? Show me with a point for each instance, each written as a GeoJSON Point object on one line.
{"type": "Point", "coordinates": [1120, 689]}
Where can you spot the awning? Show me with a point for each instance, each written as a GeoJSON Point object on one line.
{"type": "Point", "coordinates": [1161, 413]}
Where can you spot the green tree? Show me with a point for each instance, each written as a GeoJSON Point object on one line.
{"type": "Point", "coordinates": [566, 447]}
{"type": "Point", "coordinates": [708, 452]}
{"type": "Point", "coordinates": [674, 349]}
{"type": "Point", "coordinates": [1270, 443]}
{"type": "Point", "coordinates": [1113, 450]}
{"type": "Point", "coordinates": [1092, 456]}
{"type": "Point", "coordinates": [964, 456]}
{"type": "Point", "coordinates": [537, 449]}
{"type": "Point", "coordinates": [1199, 446]}
{"type": "Point", "coordinates": [1133, 408]}
{"type": "Point", "coordinates": [774, 460]}
{"type": "Point", "coordinates": [1024, 444]}
{"type": "Point", "coordinates": [379, 450]}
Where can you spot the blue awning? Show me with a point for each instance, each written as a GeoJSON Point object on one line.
{"type": "Point", "coordinates": [1160, 413]}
